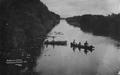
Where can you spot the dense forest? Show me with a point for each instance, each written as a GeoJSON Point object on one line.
{"type": "Point", "coordinates": [23, 22]}
{"type": "Point", "coordinates": [24, 25]}
{"type": "Point", "coordinates": [99, 25]}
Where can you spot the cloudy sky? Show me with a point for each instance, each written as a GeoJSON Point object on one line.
{"type": "Point", "coordinates": [67, 8]}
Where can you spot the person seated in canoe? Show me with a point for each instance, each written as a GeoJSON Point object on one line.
{"type": "Point", "coordinates": [86, 43]}
{"type": "Point", "coordinates": [74, 42]}
{"type": "Point", "coordinates": [79, 46]}
{"type": "Point", "coordinates": [86, 46]}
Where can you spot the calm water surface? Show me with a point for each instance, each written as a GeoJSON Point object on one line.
{"type": "Point", "coordinates": [62, 60]}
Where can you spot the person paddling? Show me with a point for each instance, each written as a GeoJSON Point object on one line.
{"type": "Point", "coordinates": [86, 43]}
{"type": "Point", "coordinates": [74, 42]}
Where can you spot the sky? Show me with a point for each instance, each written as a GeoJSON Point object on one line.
{"type": "Point", "coordinates": [67, 8]}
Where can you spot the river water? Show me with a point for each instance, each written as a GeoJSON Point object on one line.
{"type": "Point", "coordinates": [62, 60]}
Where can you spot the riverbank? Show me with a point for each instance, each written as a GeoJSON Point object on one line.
{"type": "Point", "coordinates": [24, 25]}
{"type": "Point", "coordinates": [98, 25]}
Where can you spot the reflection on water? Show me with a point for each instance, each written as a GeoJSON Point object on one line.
{"type": "Point", "coordinates": [55, 43]}
{"type": "Point", "coordinates": [86, 47]}
{"type": "Point", "coordinates": [62, 60]}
